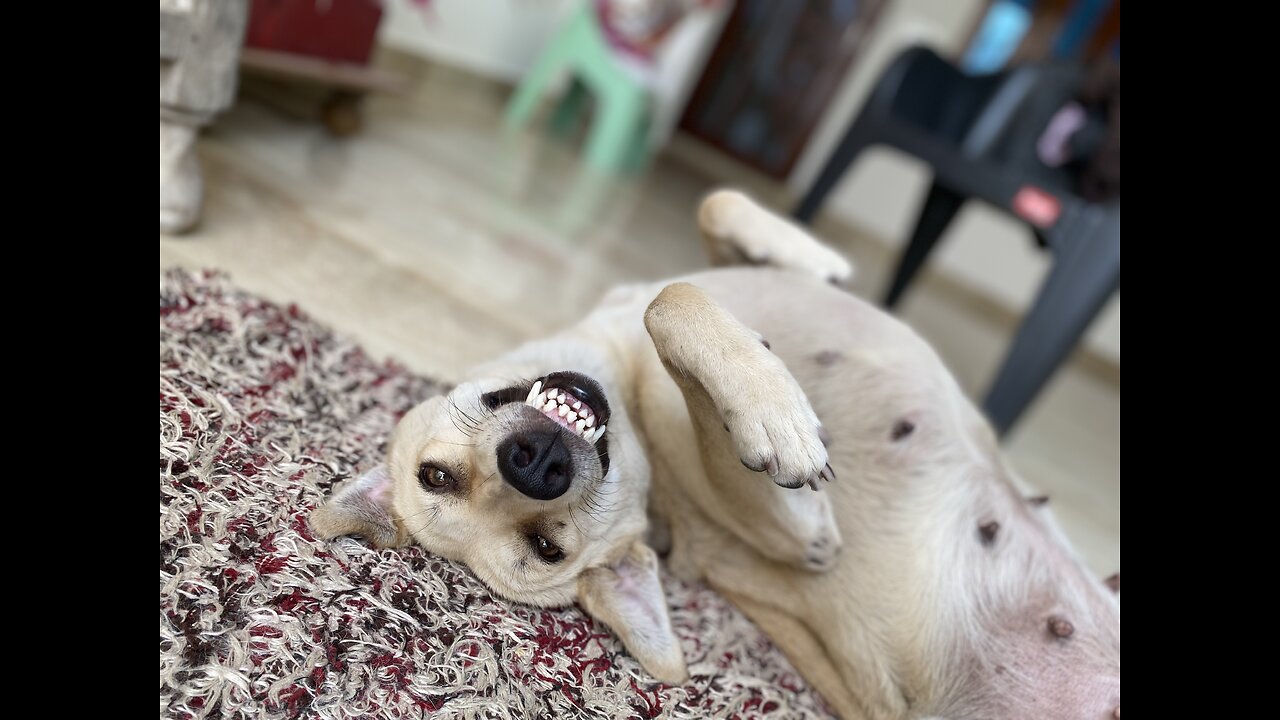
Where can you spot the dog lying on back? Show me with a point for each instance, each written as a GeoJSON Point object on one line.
{"type": "Point", "coordinates": [920, 583]}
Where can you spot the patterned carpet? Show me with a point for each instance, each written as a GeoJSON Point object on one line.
{"type": "Point", "coordinates": [261, 411]}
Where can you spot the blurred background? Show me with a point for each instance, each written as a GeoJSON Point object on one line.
{"type": "Point", "coordinates": [443, 179]}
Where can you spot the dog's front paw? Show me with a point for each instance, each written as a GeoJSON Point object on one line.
{"type": "Point", "coordinates": [775, 431]}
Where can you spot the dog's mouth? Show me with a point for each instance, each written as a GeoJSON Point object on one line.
{"type": "Point", "coordinates": [574, 401]}
{"type": "Point", "coordinates": [571, 400]}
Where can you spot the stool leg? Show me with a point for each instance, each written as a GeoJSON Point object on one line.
{"type": "Point", "coordinates": [620, 116]}
{"type": "Point", "coordinates": [569, 111]}
{"type": "Point", "coordinates": [522, 104]}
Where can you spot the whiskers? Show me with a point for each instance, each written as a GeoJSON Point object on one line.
{"type": "Point", "coordinates": [470, 420]}
{"type": "Point", "coordinates": [595, 502]}
{"type": "Point", "coordinates": [465, 422]}
{"type": "Point", "coordinates": [432, 513]}
{"type": "Point", "coordinates": [486, 479]}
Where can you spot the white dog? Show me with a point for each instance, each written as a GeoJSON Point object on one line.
{"type": "Point", "coordinates": [919, 583]}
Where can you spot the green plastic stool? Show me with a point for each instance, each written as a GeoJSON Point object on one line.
{"type": "Point", "coordinates": [618, 136]}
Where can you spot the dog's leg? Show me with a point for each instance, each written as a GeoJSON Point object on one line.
{"type": "Point", "coordinates": [808, 615]}
{"type": "Point", "coordinates": [804, 651]}
{"type": "Point", "coordinates": [738, 231]}
{"type": "Point", "coordinates": [746, 410]}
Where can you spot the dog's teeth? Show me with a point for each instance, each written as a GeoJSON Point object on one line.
{"type": "Point", "coordinates": [539, 401]}
{"type": "Point", "coordinates": [591, 420]}
{"type": "Point", "coordinates": [589, 435]}
{"type": "Point", "coordinates": [572, 416]}
{"type": "Point", "coordinates": [533, 392]}
{"type": "Point", "coordinates": [580, 425]}
{"type": "Point", "coordinates": [577, 405]}
{"type": "Point", "coordinates": [564, 410]}
{"type": "Point", "coordinates": [599, 431]}
{"type": "Point", "coordinates": [551, 405]}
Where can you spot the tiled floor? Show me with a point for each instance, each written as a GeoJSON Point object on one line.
{"type": "Point", "coordinates": [432, 238]}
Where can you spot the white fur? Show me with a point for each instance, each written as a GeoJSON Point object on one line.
{"type": "Point", "coordinates": [883, 587]}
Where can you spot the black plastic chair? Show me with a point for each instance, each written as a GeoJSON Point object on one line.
{"type": "Point", "coordinates": [979, 136]}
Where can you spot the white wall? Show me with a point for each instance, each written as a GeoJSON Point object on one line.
{"type": "Point", "coordinates": [495, 38]}
{"type": "Point", "coordinates": [502, 38]}
{"type": "Point", "coordinates": [984, 248]}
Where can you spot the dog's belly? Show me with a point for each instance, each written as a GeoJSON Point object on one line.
{"type": "Point", "coordinates": [873, 382]}
{"type": "Point", "coordinates": [947, 577]}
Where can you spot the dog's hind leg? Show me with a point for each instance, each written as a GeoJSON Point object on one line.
{"type": "Point", "coordinates": [738, 231]}
{"type": "Point", "coordinates": [746, 410]}
{"type": "Point", "coordinates": [804, 650]}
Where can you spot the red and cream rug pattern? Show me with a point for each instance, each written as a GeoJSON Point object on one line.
{"type": "Point", "coordinates": [261, 411]}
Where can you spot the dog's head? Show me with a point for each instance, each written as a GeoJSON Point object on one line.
{"type": "Point", "coordinates": [539, 487]}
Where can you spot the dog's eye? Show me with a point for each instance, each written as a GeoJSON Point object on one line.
{"type": "Point", "coordinates": [434, 479]}
{"type": "Point", "coordinates": [546, 549]}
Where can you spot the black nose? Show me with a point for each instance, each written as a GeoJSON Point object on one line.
{"type": "Point", "coordinates": [536, 463]}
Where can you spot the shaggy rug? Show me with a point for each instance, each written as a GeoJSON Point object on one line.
{"type": "Point", "coordinates": [261, 412]}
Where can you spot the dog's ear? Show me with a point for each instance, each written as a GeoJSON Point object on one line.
{"type": "Point", "coordinates": [627, 597]}
{"type": "Point", "coordinates": [362, 507]}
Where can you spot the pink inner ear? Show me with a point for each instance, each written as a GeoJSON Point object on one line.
{"type": "Point", "coordinates": [639, 589]}
{"type": "Point", "coordinates": [376, 485]}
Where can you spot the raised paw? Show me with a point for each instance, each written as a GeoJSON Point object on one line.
{"type": "Point", "coordinates": [711, 355]}
{"type": "Point", "coordinates": [775, 431]}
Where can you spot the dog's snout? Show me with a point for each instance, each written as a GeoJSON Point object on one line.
{"type": "Point", "coordinates": [536, 463]}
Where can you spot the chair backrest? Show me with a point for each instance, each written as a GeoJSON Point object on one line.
{"type": "Point", "coordinates": [936, 96]}
{"type": "Point", "coordinates": [993, 115]}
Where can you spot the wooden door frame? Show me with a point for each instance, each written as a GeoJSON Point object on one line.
{"type": "Point", "coordinates": [720, 57]}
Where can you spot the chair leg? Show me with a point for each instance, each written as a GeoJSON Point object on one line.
{"type": "Point", "coordinates": [525, 99]}
{"type": "Point", "coordinates": [940, 207]}
{"type": "Point", "coordinates": [1082, 279]}
{"type": "Point", "coordinates": [845, 153]}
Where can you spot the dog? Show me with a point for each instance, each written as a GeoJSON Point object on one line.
{"type": "Point", "coordinates": [706, 420]}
